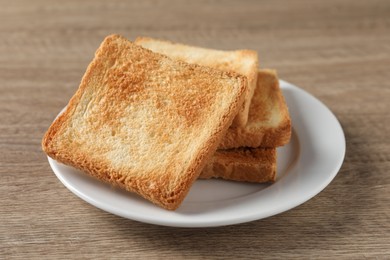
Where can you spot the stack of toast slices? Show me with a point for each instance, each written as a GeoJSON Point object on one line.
{"type": "Point", "coordinates": [152, 116]}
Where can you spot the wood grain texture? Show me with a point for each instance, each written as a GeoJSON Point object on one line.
{"type": "Point", "coordinates": [337, 50]}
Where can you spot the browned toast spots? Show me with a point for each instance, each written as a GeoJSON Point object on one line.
{"type": "Point", "coordinates": [244, 62]}
{"type": "Point", "coordinates": [145, 122]}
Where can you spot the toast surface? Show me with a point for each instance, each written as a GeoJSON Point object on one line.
{"type": "Point", "coordinates": [144, 122]}
{"type": "Point", "coordinates": [242, 164]}
{"type": "Point", "coordinates": [269, 123]}
{"type": "Point", "coordinates": [244, 62]}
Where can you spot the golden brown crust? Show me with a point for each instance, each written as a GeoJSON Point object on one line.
{"type": "Point", "coordinates": [244, 62]}
{"type": "Point", "coordinates": [242, 118]}
{"type": "Point", "coordinates": [242, 164]}
{"type": "Point", "coordinates": [255, 124]}
{"type": "Point", "coordinates": [269, 123]}
{"type": "Point", "coordinates": [130, 99]}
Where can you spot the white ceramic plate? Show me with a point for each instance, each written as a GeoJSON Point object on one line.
{"type": "Point", "coordinates": [305, 167]}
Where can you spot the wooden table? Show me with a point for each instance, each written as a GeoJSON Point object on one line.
{"type": "Point", "coordinates": [337, 50]}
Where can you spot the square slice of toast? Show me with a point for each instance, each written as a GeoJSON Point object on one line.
{"type": "Point", "coordinates": [244, 62]}
{"type": "Point", "coordinates": [145, 122]}
{"type": "Point", "coordinates": [242, 164]}
{"type": "Point", "coordinates": [269, 123]}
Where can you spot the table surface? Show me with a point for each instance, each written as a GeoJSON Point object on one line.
{"type": "Point", "coordinates": [339, 51]}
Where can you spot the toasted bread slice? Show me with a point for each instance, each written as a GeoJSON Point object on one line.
{"type": "Point", "coordinates": [242, 164]}
{"type": "Point", "coordinates": [269, 123]}
{"type": "Point", "coordinates": [244, 62]}
{"type": "Point", "coordinates": [145, 122]}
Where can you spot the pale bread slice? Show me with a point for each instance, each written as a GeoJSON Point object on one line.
{"type": "Point", "coordinates": [269, 123]}
{"type": "Point", "coordinates": [242, 164]}
{"type": "Point", "coordinates": [244, 62]}
{"type": "Point", "coordinates": [145, 122]}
